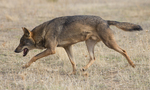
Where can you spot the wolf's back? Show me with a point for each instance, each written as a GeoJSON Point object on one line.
{"type": "Point", "coordinates": [125, 25]}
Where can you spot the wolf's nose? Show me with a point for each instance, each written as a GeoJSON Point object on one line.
{"type": "Point", "coordinates": [15, 51]}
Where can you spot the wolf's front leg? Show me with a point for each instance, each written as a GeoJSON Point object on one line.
{"type": "Point", "coordinates": [30, 62]}
{"type": "Point", "coordinates": [38, 56]}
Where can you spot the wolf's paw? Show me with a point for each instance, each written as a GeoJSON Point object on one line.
{"type": "Point", "coordinates": [83, 69]}
{"type": "Point", "coordinates": [72, 73]}
{"type": "Point", "coordinates": [133, 65]}
{"type": "Point", "coordinates": [85, 74]}
{"type": "Point", "coordinates": [25, 66]}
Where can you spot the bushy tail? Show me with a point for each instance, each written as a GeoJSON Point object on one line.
{"type": "Point", "coordinates": [125, 26]}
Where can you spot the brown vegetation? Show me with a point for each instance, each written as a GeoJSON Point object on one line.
{"type": "Point", "coordinates": [110, 70]}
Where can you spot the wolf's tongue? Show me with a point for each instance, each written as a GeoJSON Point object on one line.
{"type": "Point", "coordinates": [25, 51]}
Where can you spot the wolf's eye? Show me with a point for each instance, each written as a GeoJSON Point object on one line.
{"type": "Point", "coordinates": [27, 43]}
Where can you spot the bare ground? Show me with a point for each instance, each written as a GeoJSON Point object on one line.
{"type": "Point", "coordinates": [110, 70]}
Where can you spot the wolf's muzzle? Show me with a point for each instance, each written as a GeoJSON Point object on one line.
{"type": "Point", "coordinates": [16, 51]}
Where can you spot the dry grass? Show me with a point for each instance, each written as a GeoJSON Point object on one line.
{"type": "Point", "coordinates": [110, 70]}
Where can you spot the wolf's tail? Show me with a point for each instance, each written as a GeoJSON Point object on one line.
{"type": "Point", "coordinates": [125, 26]}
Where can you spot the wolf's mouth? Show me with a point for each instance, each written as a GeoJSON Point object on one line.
{"type": "Point", "coordinates": [25, 51]}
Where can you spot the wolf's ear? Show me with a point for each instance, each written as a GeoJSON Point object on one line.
{"type": "Point", "coordinates": [26, 31]}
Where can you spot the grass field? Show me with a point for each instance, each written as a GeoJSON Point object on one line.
{"type": "Point", "coordinates": [110, 71]}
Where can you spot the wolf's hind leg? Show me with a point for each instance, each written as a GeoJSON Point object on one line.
{"type": "Point", "coordinates": [108, 40]}
{"type": "Point", "coordinates": [90, 46]}
{"type": "Point", "coordinates": [70, 55]}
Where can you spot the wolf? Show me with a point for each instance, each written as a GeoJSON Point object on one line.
{"type": "Point", "coordinates": [68, 30]}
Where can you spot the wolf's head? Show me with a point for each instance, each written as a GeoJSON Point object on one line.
{"type": "Point", "coordinates": [26, 42]}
